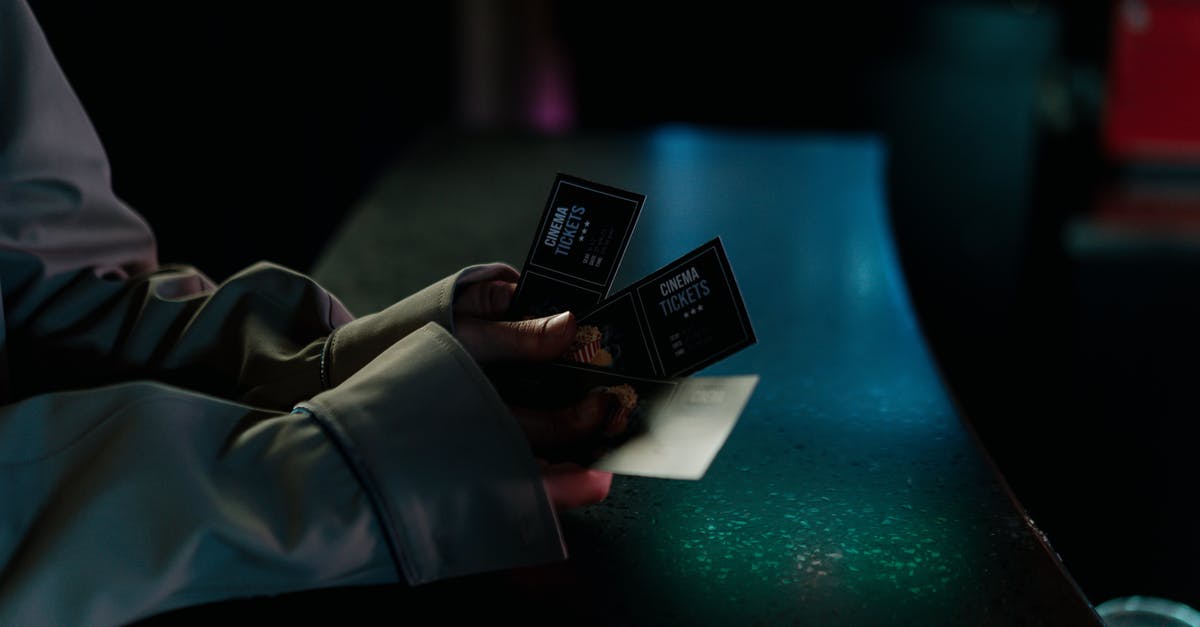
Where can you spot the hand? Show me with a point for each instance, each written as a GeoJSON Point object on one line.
{"type": "Point", "coordinates": [477, 312]}
{"type": "Point", "coordinates": [572, 485]}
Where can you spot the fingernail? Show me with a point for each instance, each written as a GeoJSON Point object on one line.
{"type": "Point", "coordinates": [614, 418]}
{"type": "Point", "coordinates": [558, 323]}
{"type": "Point", "coordinates": [614, 403]}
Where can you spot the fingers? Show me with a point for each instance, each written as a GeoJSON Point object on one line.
{"type": "Point", "coordinates": [571, 485]}
{"type": "Point", "coordinates": [540, 339]}
{"type": "Point", "coordinates": [567, 429]}
{"type": "Point", "coordinates": [487, 299]}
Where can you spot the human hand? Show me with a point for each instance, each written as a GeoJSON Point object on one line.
{"type": "Point", "coordinates": [571, 485]}
{"type": "Point", "coordinates": [478, 309]}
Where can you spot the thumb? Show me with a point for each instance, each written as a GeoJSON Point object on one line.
{"type": "Point", "coordinates": [540, 339]}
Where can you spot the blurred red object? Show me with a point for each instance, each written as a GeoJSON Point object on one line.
{"type": "Point", "coordinates": [1154, 82]}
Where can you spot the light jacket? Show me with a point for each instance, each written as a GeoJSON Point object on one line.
{"type": "Point", "coordinates": [166, 442]}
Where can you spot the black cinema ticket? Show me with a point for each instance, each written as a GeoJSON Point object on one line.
{"type": "Point", "coordinates": [685, 316]}
{"type": "Point", "coordinates": [579, 244]}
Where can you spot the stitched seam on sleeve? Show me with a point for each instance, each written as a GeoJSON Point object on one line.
{"type": "Point", "coordinates": [506, 425]}
{"type": "Point", "coordinates": [344, 444]}
{"type": "Point", "coordinates": [326, 356]}
{"type": "Point", "coordinates": [396, 535]}
{"type": "Point", "coordinates": [446, 304]}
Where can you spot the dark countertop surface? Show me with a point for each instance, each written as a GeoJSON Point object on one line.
{"type": "Point", "coordinates": [851, 491]}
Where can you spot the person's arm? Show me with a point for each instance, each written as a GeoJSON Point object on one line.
{"type": "Point", "coordinates": [83, 299]}
{"type": "Point", "coordinates": [132, 499]}
{"type": "Point", "coordinates": [56, 200]}
{"type": "Point", "coordinates": [127, 501]}
{"type": "Point", "coordinates": [268, 336]}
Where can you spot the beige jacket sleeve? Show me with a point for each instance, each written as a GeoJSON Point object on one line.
{"type": "Point", "coordinates": [268, 337]}
{"type": "Point", "coordinates": [129, 500]}
{"type": "Point", "coordinates": [150, 457]}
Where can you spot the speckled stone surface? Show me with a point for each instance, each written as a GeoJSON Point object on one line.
{"type": "Point", "coordinates": [850, 492]}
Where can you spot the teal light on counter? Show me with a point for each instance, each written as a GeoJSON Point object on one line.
{"type": "Point", "coordinates": [849, 493]}
{"type": "Point", "coordinates": [848, 475]}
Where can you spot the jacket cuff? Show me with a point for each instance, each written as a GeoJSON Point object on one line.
{"type": "Point", "coordinates": [455, 485]}
{"type": "Point", "coordinates": [351, 346]}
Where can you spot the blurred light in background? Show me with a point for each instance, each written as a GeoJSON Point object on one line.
{"type": "Point", "coordinates": [513, 73]}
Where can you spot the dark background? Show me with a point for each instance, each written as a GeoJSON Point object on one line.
{"type": "Point", "coordinates": [249, 131]}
